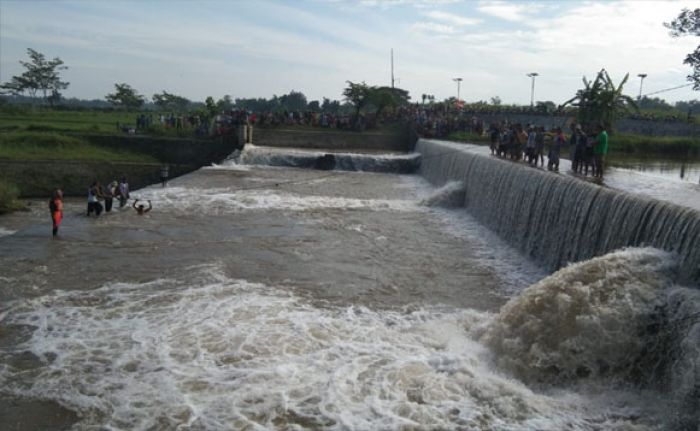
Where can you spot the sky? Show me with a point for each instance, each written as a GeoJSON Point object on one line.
{"type": "Point", "coordinates": [259, 48]}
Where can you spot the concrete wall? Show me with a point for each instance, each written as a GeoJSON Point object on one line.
{"type": "Point", "coordinates": [170, 150]}
{"type": "Point", "coordinates": [333, 140]}
{"type": "Point", "coordinates": [39, 178]}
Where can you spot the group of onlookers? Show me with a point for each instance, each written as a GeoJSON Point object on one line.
{"type": "Point", "coordinates": [96, 194]}
{"type": "Point", "coordinates": [587, 150]}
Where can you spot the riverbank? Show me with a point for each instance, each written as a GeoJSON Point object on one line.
{"type": "Point", "coordinates": [27, 146]}
{"type": "Point", "coordinates": [32, 164]}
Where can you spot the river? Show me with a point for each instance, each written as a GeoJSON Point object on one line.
{"type": "Point", "coordinates": [256, 297]}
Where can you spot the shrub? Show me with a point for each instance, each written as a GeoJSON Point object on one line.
{"type": "Point", "coordinates": [8, 197]}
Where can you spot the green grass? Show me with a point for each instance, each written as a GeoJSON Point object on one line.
{"type": "Point", "coordinates": [467, 137]}
{"type": "Point", "coordinates": [45, 120]}
{"type": "Point", "coordinates": [666, 145]}
{"type": "Point", "coordinates": [8, 197]}
{"type": "Point", "coordinates": [54, 146]}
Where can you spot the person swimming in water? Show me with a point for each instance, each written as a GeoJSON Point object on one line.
{"type": "Point", "coordinates": [141, 209]}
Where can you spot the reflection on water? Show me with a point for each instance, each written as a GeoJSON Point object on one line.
{"type": "Point", "coordinates": [683, 169]}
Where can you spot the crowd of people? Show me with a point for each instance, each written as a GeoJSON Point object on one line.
{"type": "Point", "coordinates": [200, 125]}
{"type": "Point", "coordinates": [96, 196]}
{"type": "Point", "coordinates": [224, 122]}
{"type": "Point", "coordinates": [587, 149]}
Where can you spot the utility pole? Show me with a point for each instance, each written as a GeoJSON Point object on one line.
{"type": "Point", "coordinates": [641, 81]}
{"type": "Point", "coordinates": [532, 91]}
{"type": "Point", "coordinates": [458, 81]}
{"type": "Point", "coordinates": [392, 68]}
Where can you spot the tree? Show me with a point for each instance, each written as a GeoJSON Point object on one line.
{"type": "Point", "coordinates": [601, 102]}
{"type": "Point", "coordinates": [330, 106]}
{"type": "Point", "coordinates": [54, 98]}
{"type": "Point", "coordinates": [314, 106]}
{"type": "Point", "coordinates": [381, 98]}
{"type": "Point", "coordinates": [547, 107]}
{"type": "Point", "coordinates": [41, 75]}
{"type": "Point", "coordinates": [125, 97]}
{"type": "Point", "coordinates": [225, 104]}
{"type": "Point", "coordinates": [496, 101]}
{"type": "Point", "coordinates": [170, 102]}
{"type": "Point", "coordinates": [210, 106]}
{"type": "Point", "coordinates": [358, 95]}
{"type": "Point", "coordinates": [294, 101]}
{"type": "Point", "coordinates": [688, 23]}
{"type": "Point", "coordinates": [655, 103]}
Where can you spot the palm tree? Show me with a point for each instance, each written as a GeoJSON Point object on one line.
{"type": "Point", "coordinates": [601, 102]}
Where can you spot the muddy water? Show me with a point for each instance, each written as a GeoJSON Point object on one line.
{"type": "Point", "coordinates": [274, 298]}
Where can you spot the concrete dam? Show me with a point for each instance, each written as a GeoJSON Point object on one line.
{"type": "Point", "coordinates": [303, 287]}
{"type": "Point", "coordinates": [557, 219]}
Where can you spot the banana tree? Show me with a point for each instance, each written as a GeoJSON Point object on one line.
{"type": "Point", "coordinates": [601, 102]}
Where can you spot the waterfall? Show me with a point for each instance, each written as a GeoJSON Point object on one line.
{"type": "Point", "coordinates": [365, 162]}
{"type": "Point", "coordinates": [557, 219]}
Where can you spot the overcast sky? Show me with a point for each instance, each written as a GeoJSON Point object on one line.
{"type": "Point", "coordinates": [259, 48]}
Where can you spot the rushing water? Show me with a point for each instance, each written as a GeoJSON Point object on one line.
{"type": "Point", "coordinates": [275, 298]}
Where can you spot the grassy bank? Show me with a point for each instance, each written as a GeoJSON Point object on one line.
{"type": "Point", "coordinates": [468, 137]}
{"type": "Point", "coordinates": [54, 146]}
{"type": "Point", "coordinates": [46, 120]}
{"type": "Point", "coordinates": [662, 145]}
{"type": "Point", "coordinates": [9, 194]}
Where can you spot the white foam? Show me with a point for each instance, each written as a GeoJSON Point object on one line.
{"type": "Point", "coordinates": [227, 166]}
{"type": "Point", "coordinates": [451, 195]}
{"type": "Point", "coordinates": [232, 200]}
{"type": "Point", "coordinates": [585, 320]}
{"type": "Point", "coordinates": [215, 353]}
{"type": "Point", "coordinates": [6, 232]}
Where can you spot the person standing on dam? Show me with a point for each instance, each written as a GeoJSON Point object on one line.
{"type": "Point", "coordinates": [578, 148]}
{"type": "Point", "coordinates": [600, 149]}
{"type": "Point", "coordinates": [555, 150]}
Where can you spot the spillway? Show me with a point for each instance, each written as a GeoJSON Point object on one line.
{"type": "Point", "coordinates": [557, 219]}
{"type": "Point", "coordinates": [273, 297]}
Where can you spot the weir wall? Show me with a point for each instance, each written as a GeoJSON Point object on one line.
{"type": "Point", "coordinates": [333, 140]}
{"type": "Point", "coordinates": [556, 219]}
{"type": "Point", "coordinates": [175, 151]}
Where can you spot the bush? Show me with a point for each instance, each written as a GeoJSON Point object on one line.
{"type": "Point", "coordinates": [8, 197]}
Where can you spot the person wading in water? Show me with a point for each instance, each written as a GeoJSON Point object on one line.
{"type": "Point", "coordinates": [56, 209]}
{"type": "Point", "coordinates": [141, 209]}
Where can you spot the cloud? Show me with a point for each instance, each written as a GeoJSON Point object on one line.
{"type": "Point", "coordinates": [434, 27]}
{"type": "Point", "coordinates": [452, 18]}
{"type": "Point", "coordinates": [507, 11]}
{"type": "Point", "coordinates": [272, 47]}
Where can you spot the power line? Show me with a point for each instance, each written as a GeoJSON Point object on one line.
{"type": "Point", "coordinates": [668, 89]}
